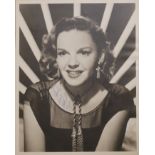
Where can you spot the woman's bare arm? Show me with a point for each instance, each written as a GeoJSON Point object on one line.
{"type": "Point", "coordinates": [33, 135]}
{"type": "Point", "coordinates": [113, 133]}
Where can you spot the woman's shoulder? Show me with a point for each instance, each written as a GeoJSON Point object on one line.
{"type": "Point", "coordinates": [38, 101]}
{"type": "Point", "coordinates": [117, 89]}
{"type": "Point", "coordinates": [41, 85]}
{"type": "Point", "coordinates": [120, 98]}
{"type": "Point", "coordinates": [119, 93]}
{"type": "Point", "coordinates": [38, 89]}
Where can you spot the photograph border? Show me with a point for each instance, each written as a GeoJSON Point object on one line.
{"type": "Point", "coordinates": [17, 136]}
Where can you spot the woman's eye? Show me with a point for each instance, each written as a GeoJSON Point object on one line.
{"type": "Point", "coordinates": [85, 52]}
{"type": "Point", "coordinates": [62, 53]}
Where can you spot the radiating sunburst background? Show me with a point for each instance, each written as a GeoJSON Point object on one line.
{"type": "Point", "coordinates": [118, 21]}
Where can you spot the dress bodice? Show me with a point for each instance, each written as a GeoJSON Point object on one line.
{"type": "Point", "coordinates": [56, 122]}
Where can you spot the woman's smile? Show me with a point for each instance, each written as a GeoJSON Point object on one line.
{"type": "Point", "coordinates": [74, 74]}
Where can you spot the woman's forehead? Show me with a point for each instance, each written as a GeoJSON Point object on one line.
{"type": "Point", "coordinates": [75, 39]}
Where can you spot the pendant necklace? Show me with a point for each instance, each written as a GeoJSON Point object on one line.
{"type": "Point", "coordinates": [77, 134]}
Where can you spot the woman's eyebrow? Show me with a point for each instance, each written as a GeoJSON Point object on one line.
{"type": "Point", "coordinates": [61, 49]}
{"type": "Point", "coordinates": [87, 47]}
{"type": "Point", "coordinates": [79, 50]}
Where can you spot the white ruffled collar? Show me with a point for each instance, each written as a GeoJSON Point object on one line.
{"type": "Point", "coordinates": [65, 102]}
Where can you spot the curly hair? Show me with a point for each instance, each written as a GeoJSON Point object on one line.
{"type": "Point", "coordinates": [47, 61]}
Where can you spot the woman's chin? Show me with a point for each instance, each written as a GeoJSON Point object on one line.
{"type": "Point", "coordinates": [77, 82]}
{"type": "Point", "coordinates": [74, 83]}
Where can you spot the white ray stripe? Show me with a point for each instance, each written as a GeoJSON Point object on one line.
{"type": "Point", "coordinates": [27, 70]}
{"type": "Point", "coordinates": [47, 16]}
{"type": "Point", "coordinates": [131, 84]}
{"type": "Point", "coordinates": [22, 88]}
{"type": "Point", "coordinates": [106, 16]}
{"type": "Point", "coordinates": [135, 101]}
{"type": "Point", "coordinates": [128, 63]}
{"type": "Point", "coordinates": [125, 34]}
{"type": "Point", "coordinates": [29, 37]}
{"type": "Point", "coordinates": [77, 9]}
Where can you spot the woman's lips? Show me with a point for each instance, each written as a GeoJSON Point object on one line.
{"type": "Point", "coordinates": [74, 74]}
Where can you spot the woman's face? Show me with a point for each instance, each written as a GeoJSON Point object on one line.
{"type": "Point", "coordinates": [76, 56]}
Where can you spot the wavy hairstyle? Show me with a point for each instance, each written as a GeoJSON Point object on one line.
{"type": "Point", "coordinates": [47, 63]}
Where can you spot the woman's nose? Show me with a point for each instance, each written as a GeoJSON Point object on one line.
{"type": "Point", "coordinates": [73, 63]}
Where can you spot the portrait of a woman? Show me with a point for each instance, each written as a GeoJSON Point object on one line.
{"type": "Point", "coordinates": [76, 109]}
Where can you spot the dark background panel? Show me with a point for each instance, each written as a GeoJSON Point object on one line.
{"type": "Point", "coordinates": [21, 102]}
{"type": "Point", "coordinates": [119, 18]}
{"type": "Point", "coordinates": [21, 98]}
{"type": "Point", "coordinates": [59, 11]}
{"type": "Point", "coordinates": [23, 78]}
{"type": "Point", "coordinates": [33, 16]}
{"type": "Point", "coordinates": [93, 11]}
{"type": "Point", "coordinates": [133, 92]}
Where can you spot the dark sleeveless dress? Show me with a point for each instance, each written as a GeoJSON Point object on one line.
{"type": "Point", "coordinates": [59, 139]}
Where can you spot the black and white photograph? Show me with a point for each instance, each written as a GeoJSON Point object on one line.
{"type": "Point", "coordinates": [77, 76]}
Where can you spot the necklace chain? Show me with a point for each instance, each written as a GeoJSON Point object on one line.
{"type": "Point", "coordinates": [77, 134]}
